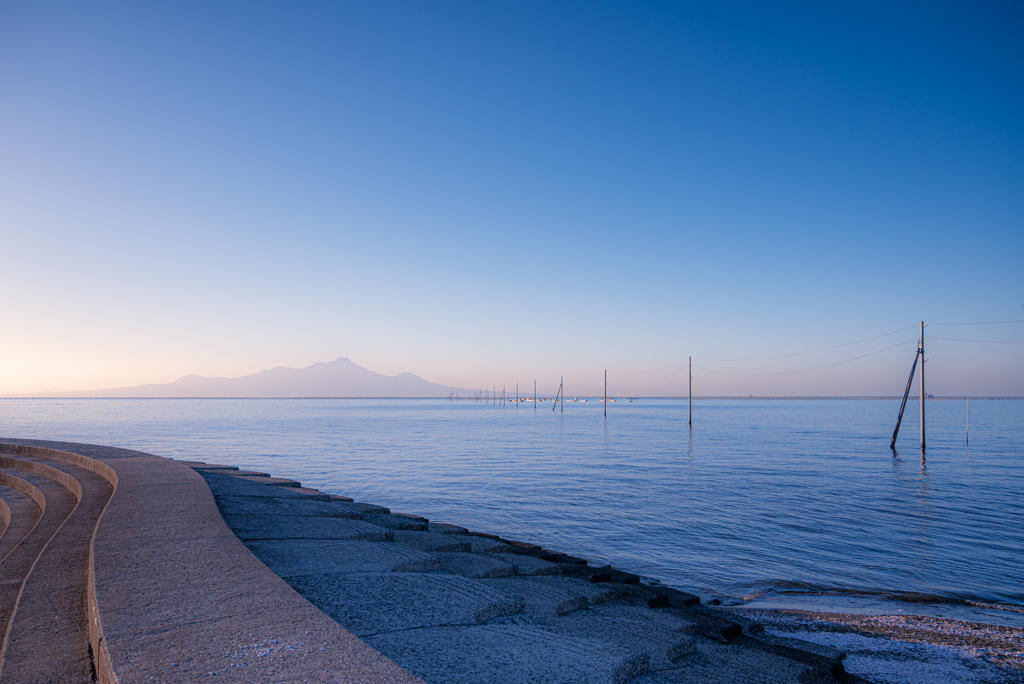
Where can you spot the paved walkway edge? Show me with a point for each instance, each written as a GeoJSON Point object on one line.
{"type": "Point", "coordinates": [173, 595]}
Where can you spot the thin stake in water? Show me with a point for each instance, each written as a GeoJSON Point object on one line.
{"type": "Point", "coordinates": [922, 387]}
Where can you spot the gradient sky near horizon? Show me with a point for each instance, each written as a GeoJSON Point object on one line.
{"type": "Point", "coordinates": [491, 193]}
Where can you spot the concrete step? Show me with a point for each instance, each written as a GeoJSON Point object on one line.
{"type": "Point", "coordinates": [22, 501]}
{"type": "Point", "coordinates": [374, 603]}
{"type": "Point", "coordinates": [48, 636]}
{"type": "Point", "coordinates": [252, 527]}
{"type": "Point", "coordinates": [222, 484]}
{"type": "Point", "coordinates": [16, 567]}
{"type": "Point", "coordinates": [296, 557]}
{"type": "Point", "coordinates": [508, 654]}
{"type": "Point", "coordinates": [250, 505]}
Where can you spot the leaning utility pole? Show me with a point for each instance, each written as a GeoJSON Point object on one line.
{"type": "Point", "coordinates": [922, 387]}
{"type": "Point", "coordinates": [906, 394]}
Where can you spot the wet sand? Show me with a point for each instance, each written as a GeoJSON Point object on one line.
{"type": "Point", "coordinates": [906, 649]}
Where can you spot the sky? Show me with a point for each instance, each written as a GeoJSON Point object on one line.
{"type": "Point", "coordinates": [492, 193]}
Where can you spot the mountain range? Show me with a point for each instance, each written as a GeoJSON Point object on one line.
{"type": "Point", "coordinates": [338, 378]}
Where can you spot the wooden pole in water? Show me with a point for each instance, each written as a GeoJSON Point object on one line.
{"type": "Point", "coordinates": [906, 394]}
{"type": "Point", "coordinates": [922, 387]}
{"type": "Point", "coordinates": [690, 402]}
{"type": "Point", "coordinates": [605, 392]}
{"type": "Point", "coordinates": [968, 420]}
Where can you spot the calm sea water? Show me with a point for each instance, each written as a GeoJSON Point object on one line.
{"type": "Point", "coordinates": [762, 499]}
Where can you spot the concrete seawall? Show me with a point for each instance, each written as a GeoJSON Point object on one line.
{"type": "Point", "coordinates": [120, 566]}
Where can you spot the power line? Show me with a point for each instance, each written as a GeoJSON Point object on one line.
{"type": "Point", "coordinates": [983, 323]}
{"type": "Point", "coordinates": [812, 351]}
{"type": "Point", "coordinates": [954, 339]}
{"type": "Point", "coordinates": [807, 370]}
{"type": "Point", "coordinates": [581, 381]}
{"type": "Point", "coordinates": [645, 382]}
{"type": "Point", "coordinates": [655, 370]}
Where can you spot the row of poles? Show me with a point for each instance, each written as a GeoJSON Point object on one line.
{"type": "Point", "coordinates": [560, 396]}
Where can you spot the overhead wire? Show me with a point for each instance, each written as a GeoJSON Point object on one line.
{"type": "Point", "coordinates": [807, 370]}
{"type": "Point", "coordinates": [809, 351]}
{"type": "Point", "coordinates": [982, 323]}
{"type": "Point", "coordinates": [954, 339]}
{"type": "Point", "coordinates": [812, 351]}
{"type": "Point", "coordinates": [644, 382]}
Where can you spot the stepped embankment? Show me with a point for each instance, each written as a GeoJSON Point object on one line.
{"type": "Point", "coordinates": [121, 566]}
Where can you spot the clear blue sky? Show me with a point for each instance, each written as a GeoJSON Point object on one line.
{"type": "Point", "coordinates": [491, 193]}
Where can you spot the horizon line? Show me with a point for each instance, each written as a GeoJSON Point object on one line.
{"type": "Point", "coordinates": [702, 398]}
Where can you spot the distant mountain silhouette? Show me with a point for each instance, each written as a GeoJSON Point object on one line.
{"type": "Point", "coordinates": [340, 378]}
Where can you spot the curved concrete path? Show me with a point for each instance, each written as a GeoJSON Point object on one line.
{"type": "Point", "coordinates": [128, 573]}
{"type": "Point", "coordinates": [136, 568]}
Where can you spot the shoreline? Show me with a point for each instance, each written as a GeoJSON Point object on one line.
{"type": "Point", "coordinates": [199, 570]}
{"type": "Point", "coordinates": [883, 648]}
{"type": "Point", "coordinates": [548, 399]}
{"type": "Point", "coordinates": [908, 648]}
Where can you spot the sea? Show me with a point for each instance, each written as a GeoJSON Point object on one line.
{"type": "Point", "coordinates": [770, 504]}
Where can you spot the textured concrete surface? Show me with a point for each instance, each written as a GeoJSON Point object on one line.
{"type": "Point", "coordinates": [52, 607]}
{"type": "Point", "coordinates": [249, 505]}
{"type": "Point", "coordinates": [451, 605]}
{"type": "Point", "coordinates": [498, 654]}
{"type": "Point", "coordinates": [294, 557]}
{"type": "Point", "coordinates": [551, 596]}
{"type": "Point", "coordinates": [204, 571]}
{"type": "Point", "coordinates": [475, 565]}
{"type": "Point", "coordinates": [435, 541]}
{"type": "Point", "coordinates": [25, 513]}
{"type": "Point", "coordinates": [253, 527]}
{"type": "Point", "coordinates": [371, 603]}
{"type": "Point", "coordinates": [19, 563]}
{"type": "Point", "coordinates": [178, 597]}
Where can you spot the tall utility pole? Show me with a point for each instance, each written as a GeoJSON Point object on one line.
{"type": "Point", "coordinates": [922, 387]}
{"type": "Point", "coordinates": [689, 404]}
